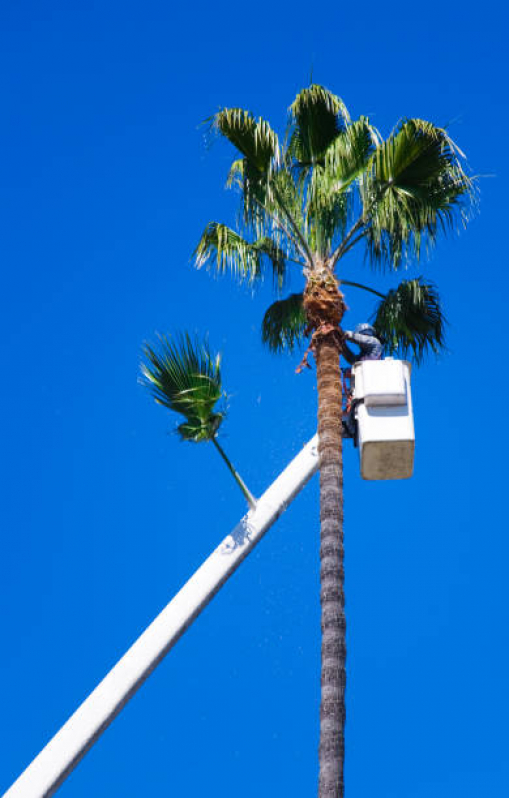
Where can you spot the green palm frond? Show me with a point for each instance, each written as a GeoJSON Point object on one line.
{"type": "Point", "coordinates": [329, 202]}
{"type": "Point", "coordinates": [230, 252]}
{"type": "Point", "coordinates": [236, 174]}
{"type": "Point", "coordinates": [284, 324]}
{"type": "Point", "coordinates": [348, 156]}
{"type": "Point", "coordinates": [284, 204]}
{"type": "Point", "coordinates": [253, 138]}
{"type": "Point", "coordinates": [316, 118]}
{"type": "Point", "coordinates": [261, 154]}
{"type": "Point", "coordinates": [415, 189]}
{"type": "Point", "coordinates": [185, 377]}
{"type": "Point", "coordinates": [277, 258]}
{"type": "Point", "coordinates": [410, 319]}
{"type": "Point", "coordinates": [327, 211]}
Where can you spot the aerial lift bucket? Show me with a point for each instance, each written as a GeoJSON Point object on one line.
{"type": "Point", "coordinates": [382, 403]}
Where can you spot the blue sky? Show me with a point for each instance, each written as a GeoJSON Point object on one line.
{"type": "Point", "coordinates": [106, 186]}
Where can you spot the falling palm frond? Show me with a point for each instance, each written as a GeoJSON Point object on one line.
{"type": "Point", "coordinates": [410, 319]}
{"type": "Point", "coordinates": [185, 377]}
{"type": "Point", "coordinates": [284, 324]}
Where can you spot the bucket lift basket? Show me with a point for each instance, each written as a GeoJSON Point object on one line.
{"type": "Point", "coordinates": [383, 411]}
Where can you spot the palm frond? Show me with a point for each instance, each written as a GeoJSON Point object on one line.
{"type": "Point", "coordinates": [410, 319]}
{"type": "Point", "coordinates": [253, 138]}
{"type": "Point", "coordinates": [284, 324]}
{"type": "Point", "coordinates": [277, 257]}
{"type": "Point", "coordinates": [326, 211]}
{"type": "Point", "coordinates": [348, 156]}
{"type": "Point", "coordinates": [329, 199]}
{"type": "Point", "coordinates": [261, 154]}
{"type": "Point", "coordinates": [236, 174]}
{"type": "Point", "coordinates": [416, 188]}
{"type": "Point", "coordinates": [284, 194]}
{"type": "Point", "coordinates": [316, 118]}
{"type": "Point", "coordinates": [230, 252]}
{"type": "Point", "coordinates": [185, 377]}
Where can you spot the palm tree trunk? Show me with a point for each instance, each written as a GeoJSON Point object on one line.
{"type": "Point", "coordinates": [333, 673]}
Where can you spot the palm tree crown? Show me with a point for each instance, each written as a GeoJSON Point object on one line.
{"type": "Point", "coordinates": [332, 184]}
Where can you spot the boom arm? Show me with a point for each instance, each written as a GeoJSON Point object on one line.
{"type": "Point", "coordinates": [56, 761]}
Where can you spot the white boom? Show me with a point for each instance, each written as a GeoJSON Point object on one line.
{"type": "Point", "coordinates": [51, 767]}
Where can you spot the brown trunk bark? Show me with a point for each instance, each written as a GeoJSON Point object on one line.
{"type": "Point", "coordinates": [324, 305]}
{"type": "Point", "coordinates": [333, 674]}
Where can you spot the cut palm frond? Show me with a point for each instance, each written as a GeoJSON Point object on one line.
{"type": "Point", "coordinates": [284, 324]}
{"type": "Point", "coordinates": [410, 319]}
{"type": "Point", "coordinates": [185, 377]}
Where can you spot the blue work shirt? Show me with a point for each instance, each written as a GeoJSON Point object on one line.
{"type": "Point", "coordinates": [371, 348]}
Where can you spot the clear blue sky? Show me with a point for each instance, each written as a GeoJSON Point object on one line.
{"type": "Point", "coordinates": [106, 185]}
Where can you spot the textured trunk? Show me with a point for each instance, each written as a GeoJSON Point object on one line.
{"type": "Point", "coordinates": [333, 675]}
{"type": "Point", "coordinates": [324, 305]}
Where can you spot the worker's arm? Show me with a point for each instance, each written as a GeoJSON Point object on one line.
{"type": "Point", "coordinates": [370, 346]}
{"type": "Point", "coordinates": [361, 340]}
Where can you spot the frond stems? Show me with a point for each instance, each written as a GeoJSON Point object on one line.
{"type": "Point", "coordinates": [364, 287]}
{"type": "Point", "coordinates": [288, 233]}
{"type": "Point", "coordinates": [305, 249]}
{"type": "Point", "coordinates": [361, 222]}
{"type": "Point", "coordinates": [354, 242]}
{"type": "Point", "coordinates": [341, 249]}
{"type": "Point", "coordinates": [238, 479]}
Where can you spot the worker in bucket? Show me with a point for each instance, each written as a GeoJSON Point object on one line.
{"type": "Point", "coordinates": [371, 348]}
{"type": "Point", "coordinates": [366, 339]}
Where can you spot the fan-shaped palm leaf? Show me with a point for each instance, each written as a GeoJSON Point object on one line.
{"type": "Point", "coordinates": [284, 324]}
{"type": "Point", "coordinates": [185, 377]}
{"type": "Point", "coordinates": [410, 319]}
{"type": "Point", "coordinates": [253, 138]}
{"type": "Point", "coordinates": [329, 204]}
{"type": "Point", "coordinates": [316, 118]}
{"type": "Point", "coordinates": [416, 187]}
{"type": "Point", "coordinates": [348, 155]}
{"type": "Point", "coordinates": [232, 253]}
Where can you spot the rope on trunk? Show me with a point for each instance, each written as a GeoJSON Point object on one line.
{"type": "Point", "coordinates": [325, 306]}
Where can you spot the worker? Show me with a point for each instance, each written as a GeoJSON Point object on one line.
{"type": "Point", "coordinates": [366, 338]}
{"type": "Point", "coordinates": [371, 348]}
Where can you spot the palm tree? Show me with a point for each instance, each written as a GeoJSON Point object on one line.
{"type": "Point", "coordinates": [185, 377]}
{"type": "Point", "coordinates": [333, 183]}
